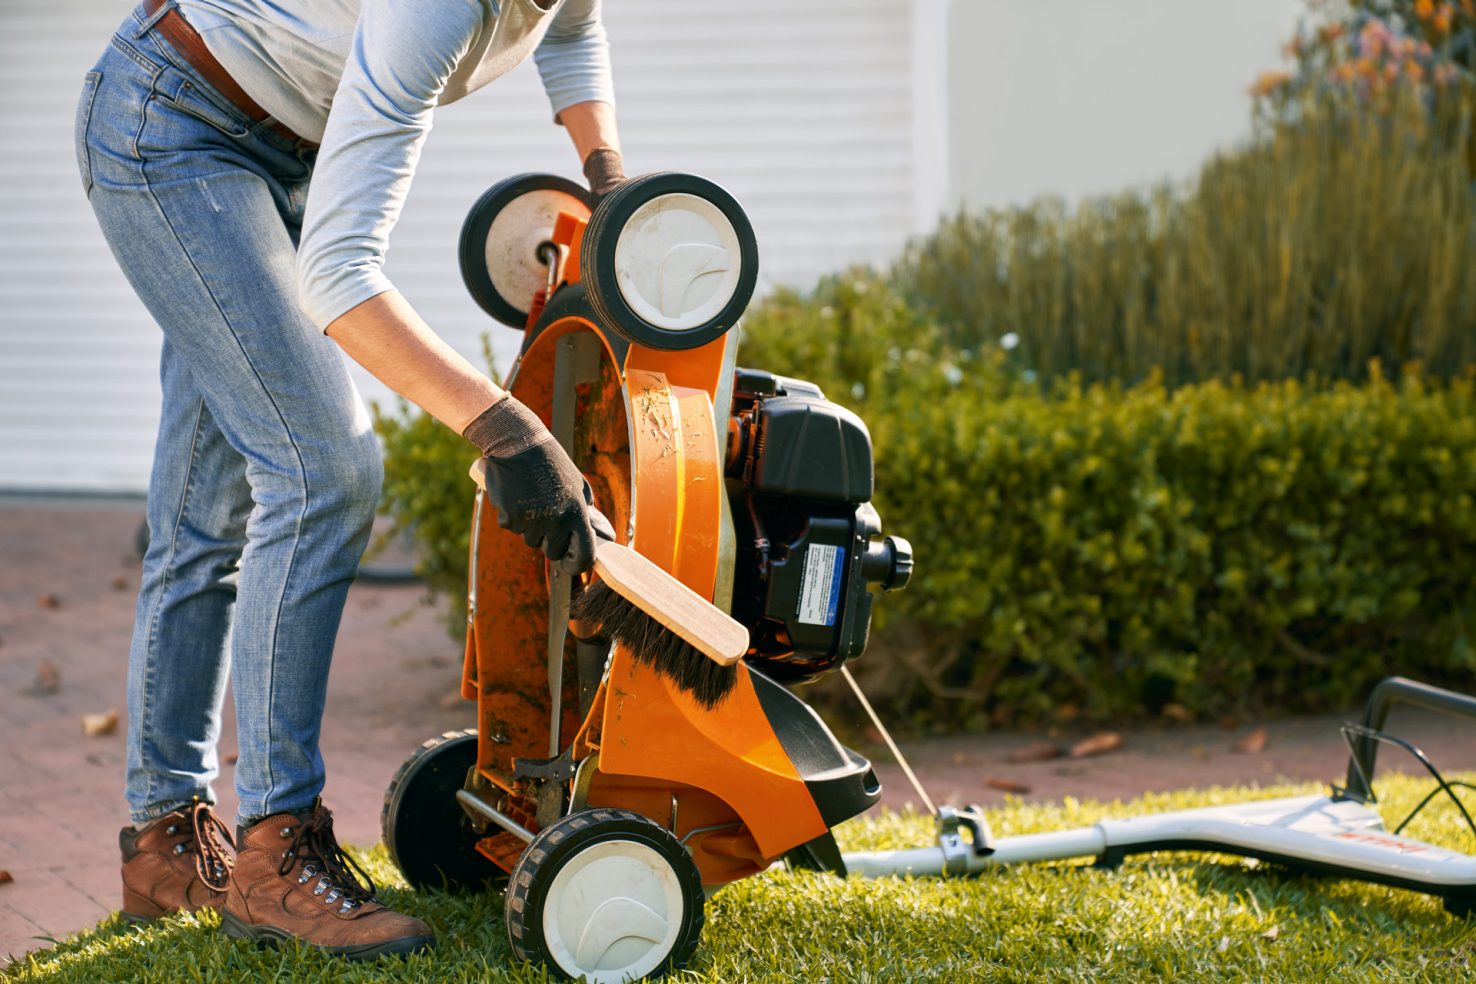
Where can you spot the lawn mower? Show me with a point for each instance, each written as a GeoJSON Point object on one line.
{"type": "Point", "coordinates": [609, 799]}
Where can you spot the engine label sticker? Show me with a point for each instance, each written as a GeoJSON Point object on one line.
{"type": "Point", "coordinates": [825, 566]}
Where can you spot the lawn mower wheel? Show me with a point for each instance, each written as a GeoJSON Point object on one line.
{"type": "Point", "coordinates": [605, 894]}
{"type": "Point", "coordinates": [429, 836]}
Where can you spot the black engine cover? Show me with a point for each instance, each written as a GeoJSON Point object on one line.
{"type": "Point", "coordinates": [810, 447]}
{"type": "Point", "coordinates": [799, 476]}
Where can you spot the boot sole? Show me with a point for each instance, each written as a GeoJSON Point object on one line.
{"type": "Point", "coordinates": [272, 936]}
{"type": "Point", "coordinates": [134, 919]}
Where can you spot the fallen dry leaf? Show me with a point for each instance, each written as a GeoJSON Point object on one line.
{"type": "Point", "coordinates": [48, 601]}
{"type": "Point", "coordinates": [1252, 743]}
{"type": "Point", "coordinates": [95, 725]}
{"type": "Point", "coordinates": [1007, 785]}
{"type": "Point", "coordinates": [1041, 751]}
{"type": "Point", "coordinates": [48, 679]}
{"type": "Point", "coordinates": [1098, 744]}
{"type": "Point", "coordinates": [1178, 712]}
{"type": "Point", "coordinates": [5, 877]}
{"type": "Point", "coordinates": [959, 758]}
{"type": "Point", "coordinates": [1272, 933]}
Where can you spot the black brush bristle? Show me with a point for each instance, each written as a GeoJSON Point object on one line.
{"type": "Point", "coordinates": [654, 644]}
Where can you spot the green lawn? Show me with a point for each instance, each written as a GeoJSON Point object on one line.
{"type": "Point", "coordinates": [1173, 917]}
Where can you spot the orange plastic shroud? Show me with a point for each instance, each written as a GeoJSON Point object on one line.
{"type": "Point", "coordinates": [648, 440]}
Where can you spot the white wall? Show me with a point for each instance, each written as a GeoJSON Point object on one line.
{"type": "Point", "coordinates": [842, 125]}
{"type": "Point", "coordinates": [802, 110]}
{"type": "Point", "coordinates": [1082, 97]}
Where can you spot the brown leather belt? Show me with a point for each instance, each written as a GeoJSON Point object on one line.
{"type": "Point", "coordinates": [187, 41]}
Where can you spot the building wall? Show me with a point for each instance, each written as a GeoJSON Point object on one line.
{"type": "Point", "coordinates": [804, 111]}
{"type": "Point", "coordinates": [844, 126]}
{"type": "Point", "coordinates": [1083, 97]}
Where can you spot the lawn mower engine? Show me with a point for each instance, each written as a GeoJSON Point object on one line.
{"type": "Point", "coordinates": [809, 545]}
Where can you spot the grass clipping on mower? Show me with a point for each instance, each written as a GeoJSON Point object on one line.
{"type": "Point", "coordinates": [653, 644]}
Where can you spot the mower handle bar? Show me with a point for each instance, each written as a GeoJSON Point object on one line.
{"type": "Point", "coordinates": [1388, 693]}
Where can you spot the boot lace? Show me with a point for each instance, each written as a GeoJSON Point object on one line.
{"type": "Point", "coordinates": [211, 839]}
{"type": "Point", "coordinates": [341, 879]}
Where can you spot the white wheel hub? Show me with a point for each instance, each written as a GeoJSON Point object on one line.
{"type": "Point", "coordinates": [613, 912]}
{"type": "Point", "coordinates": [514, 237]}
{"type": "Point", "coordinates": [678, 261]}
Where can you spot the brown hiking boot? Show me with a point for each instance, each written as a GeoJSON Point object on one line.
{"type": "Point", "coordinates": [181, 861]}
{"type": "Point", "coordinates": [293, 881]}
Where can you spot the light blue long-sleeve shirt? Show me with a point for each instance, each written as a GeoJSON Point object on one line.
{"type": "Point", "coordinates": [363, 77]}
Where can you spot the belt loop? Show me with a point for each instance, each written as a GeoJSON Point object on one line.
{"type": "Point", "coordinates": [159, 14]}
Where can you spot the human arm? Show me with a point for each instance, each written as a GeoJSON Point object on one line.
{"type": "Point", "coordinates": [387, 337]}
{"type": "Point", "coordinates": [574, 62]}
{"type": "Point", "coordinates": [398, 65]}
{"type": "Point", "coordinates": [591, 127]}
{"type": "Point", "coordinates": [537, 490]}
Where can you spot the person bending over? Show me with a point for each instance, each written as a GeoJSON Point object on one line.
{"type": "Point", "coordinates": [197, 133]}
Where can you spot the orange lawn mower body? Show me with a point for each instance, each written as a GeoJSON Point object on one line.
{"type": "Point", "coordinates": [608, 799]}
{"type": "Point", "coordinates": [629, 357]}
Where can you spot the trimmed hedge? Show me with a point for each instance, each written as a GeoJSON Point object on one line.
{"type": "Point", "coordinates": [1222, 546]}
{"type": "Point", "coordinates": [1226, 547]}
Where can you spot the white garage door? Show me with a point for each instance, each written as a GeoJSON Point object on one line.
{"type": "Point", "coordinates": [805, 112]}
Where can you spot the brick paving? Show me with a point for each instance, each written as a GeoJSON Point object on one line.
{"type": "Point", "coordinates": [61, 792]}
{"type": "Point", "coordinates": [61, 798]}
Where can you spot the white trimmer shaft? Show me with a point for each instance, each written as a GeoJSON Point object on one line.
{"type": "Point", "coordinates": [1340, 836]}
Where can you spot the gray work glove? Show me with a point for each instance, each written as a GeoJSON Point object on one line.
{"type": "Point", "coordinates": [604, 171]}
{"type": "Point", "coordinates": [601, 525]}
{"type": "Point", "coordinates": [538, 492]}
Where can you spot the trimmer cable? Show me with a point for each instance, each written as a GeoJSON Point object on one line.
{"type": "Point", "coordinates": [887, 737]}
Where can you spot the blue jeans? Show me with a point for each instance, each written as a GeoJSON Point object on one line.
{"type": "Point", "coordinates": [266, 472]}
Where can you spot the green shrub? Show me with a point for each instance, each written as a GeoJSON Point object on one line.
{"type": "Point", "coordinates": [1337, 238]}
{"type": "Point", "coordinates": [1225, 546]}
{"type": "Point", "coordinates": [427, 490]}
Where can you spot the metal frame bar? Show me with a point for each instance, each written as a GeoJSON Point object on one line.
{"type": "Point", "coordinates": [1385, 697]}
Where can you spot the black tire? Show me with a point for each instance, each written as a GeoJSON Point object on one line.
{"type": "Point", "coordinates": [472, 248]}
{"type": "Point", "coordinates": [602, 236]}
{"type": "Point", "coordinates": [428, 835]}
{"type": "Point", "coordinates": [555, 848]}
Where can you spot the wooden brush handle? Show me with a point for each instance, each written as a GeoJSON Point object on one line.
{"type": "Point", "coordinates": [661, 596]}
{"type": "Point", "coordinates": [670, 602]}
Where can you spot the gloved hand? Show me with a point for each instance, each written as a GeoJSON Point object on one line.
{"type": "Point", "coordinates": [601, 525]}
{"type": "Point", "coordinates": [538, 492]}
{"type": "Point", "coordinates": [604, 170]}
